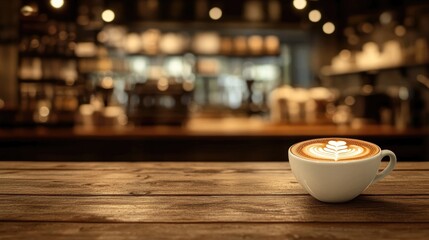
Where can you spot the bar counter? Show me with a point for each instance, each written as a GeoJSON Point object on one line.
{"type": "Point", "coordinates": [213, 128]}
{"type": "Point", "coordinates": [201, 200]}
{"type": "Point", "coordinates": [212, 139]}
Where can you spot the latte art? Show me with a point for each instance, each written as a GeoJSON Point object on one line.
{"type": "Point", "coordinates": [330, 149]}
{"type": "Point", "coordinates": [334, 150]}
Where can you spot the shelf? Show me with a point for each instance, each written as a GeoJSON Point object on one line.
{"type": "Point", "coordinates": [46, 55]}
{"type": "Point", "coordinates": [292, 29]}
{"type": "Point", "coordinates": [244, 56]}
{"type": "Point", "coordinates": [47, 81]}
{"type": "Point", "coordinates": [161, 55]}
{"type": "Point", "coordinates": [353, 71]}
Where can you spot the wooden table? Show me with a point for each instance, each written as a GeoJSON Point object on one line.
{"type": "Point", "coordinates": [201, 200]}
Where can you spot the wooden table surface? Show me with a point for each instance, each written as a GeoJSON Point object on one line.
{"type": "Point", "coordinates": [201, 200]}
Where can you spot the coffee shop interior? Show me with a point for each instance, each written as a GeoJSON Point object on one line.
{"type": "Point", "coordinates": [210, 80]}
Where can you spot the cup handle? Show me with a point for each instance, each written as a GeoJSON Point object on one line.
{"type": "Point", "coordinates": [390, 166]}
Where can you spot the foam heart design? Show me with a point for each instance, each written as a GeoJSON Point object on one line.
{"type": "Point", "coordinates": [336, 143]}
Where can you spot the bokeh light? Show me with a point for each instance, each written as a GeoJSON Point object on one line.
{"type": "Point", "coordinates": [57, 3]}
{"type": "Point", "coordinates": [299, 4]}
{"type": "Point", "coordinates": [215, 13]}
{"type": "Point", "coordinates": [108, 15]}
{"type": "Point", "coordinates": [314, 15]}
{"type": "Point", "coordinates": [328, 28]}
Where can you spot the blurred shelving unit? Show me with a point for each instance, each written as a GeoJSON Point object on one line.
{"type": "Point", "coordinates": [70, 56]}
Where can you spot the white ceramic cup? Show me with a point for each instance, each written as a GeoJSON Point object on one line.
{"type": "Point", "coordinates": [339, 181]}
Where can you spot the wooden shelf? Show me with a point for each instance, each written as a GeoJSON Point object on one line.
{"type": "Point", "coordinates": [293, 29]}
{"type": "Point", "coordinates": [47, 81]}
{"type": "Point", "coordinates": [47, 55]}
{"type": "Point", "coordinates": [353, 71]}
{"type": "Point", "coordinates": [162, 55]}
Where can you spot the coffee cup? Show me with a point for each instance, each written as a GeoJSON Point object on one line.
{"type": "Point", "coordinates": [338, 169]}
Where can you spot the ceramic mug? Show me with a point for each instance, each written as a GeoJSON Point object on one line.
{"type": "Point", "coordinates": [331, 180]}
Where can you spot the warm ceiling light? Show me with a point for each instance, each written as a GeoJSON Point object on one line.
{"type": "Point", "coordinates": [57, 3]}
{"type": "Point", "coordinates": [299, 4]}
{"type": "Point", "coordinates": [108, 15]}
{"type": "Point", "coordinates": [328, 28]}
{"type": "Point", "coordinates": [314, 15]}
{"type": "Point", "coordinates": [215, 13]}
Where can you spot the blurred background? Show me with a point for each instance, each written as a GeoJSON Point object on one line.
{"type": "Point", "coordinates": [210, 79]}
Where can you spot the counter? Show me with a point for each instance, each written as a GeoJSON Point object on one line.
{"type": "Point", "coordinates": [209, 139]}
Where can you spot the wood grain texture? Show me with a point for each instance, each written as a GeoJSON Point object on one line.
{"type": "Point", "coordinates": [167, 166]}
{"type": "Point", "coordinates": [188, 200]}
{"type": "Point", "coordinates": [212, 209]}
{"type": "Point", "coordinates": [163, 166]}
{"type": "Point", "coordinates": [184, 182]}
{"type": "Point", "coordinates": [174, 182]}
{"type": "Point", "coordinates": [221, 231]}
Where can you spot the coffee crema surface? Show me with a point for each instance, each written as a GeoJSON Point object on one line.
{"type": "Point", "coordinates": [335, 149]}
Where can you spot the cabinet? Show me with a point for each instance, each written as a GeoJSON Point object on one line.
{"type": "Point", "coordinates": [47, 76]}
{"type": "Point", "coordinates": [8, 59]}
